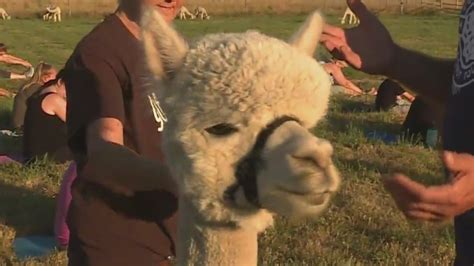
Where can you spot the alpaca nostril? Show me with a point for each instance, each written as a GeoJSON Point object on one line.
{"type": "Point", "coordinates": [312, 159]}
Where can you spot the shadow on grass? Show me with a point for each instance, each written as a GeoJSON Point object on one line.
{"type": "Point", "coordinates": [27, 211]}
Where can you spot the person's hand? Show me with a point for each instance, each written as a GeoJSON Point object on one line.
{"type": "Point", "coordinates": [367, 47]}
{"type": "Point", "coordinates": [30, 72]}
{"type": "Point", "coordinates": [352, 93]}
{"type": "Point", "coordinates": [436, 203]}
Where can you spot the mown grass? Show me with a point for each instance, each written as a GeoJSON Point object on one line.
{"type": "Point", "coordinates": [24, 8]}
{"type": "Point", "coordinates": [361, 227]}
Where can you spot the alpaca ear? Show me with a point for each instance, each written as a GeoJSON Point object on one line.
{"type": "Point", "coordinates": [164, 48]}
{"type": "Point", "coordinates": [307, 37]}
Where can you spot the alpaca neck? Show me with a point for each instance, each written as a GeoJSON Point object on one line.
{"type": "Point", "coordinates": [205, 244]}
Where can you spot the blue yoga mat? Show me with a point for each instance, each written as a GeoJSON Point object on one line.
{"type": "Point", "coordinates": [387, 138]}
{"type": "Point", "coordinates": [33, 246]}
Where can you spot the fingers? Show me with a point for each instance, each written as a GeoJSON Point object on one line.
{"type": "Point", "coordinates": [360, 10]}
{"type": "Point", "coordinates": [340, 50]}
{"type": "Point", "coordinates": [457, 162]}
{"type": "Point", "coordinates": [424, 216]}
{"type": "Point", "coordinates": [351, 57]}
{"type": "Point", "coordinates": [399, 183]}
{"type": "Point", "coordinates": [440, 210]}
{"type": "Point", "coordinates": [332, 41]}
{"type": "Point", "coordinates": [333, 30]}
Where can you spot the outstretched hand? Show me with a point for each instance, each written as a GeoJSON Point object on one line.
{"type": "Point", "coordinates": [367, 47]}
{"type": "Point", "coordinates": [436, 203]}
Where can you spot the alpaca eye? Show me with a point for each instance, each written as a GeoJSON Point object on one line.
{"type": "Point", "coordinates": [222, 129]}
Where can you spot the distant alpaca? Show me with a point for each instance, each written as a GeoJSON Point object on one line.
{"type": "Point", "coordinates": [236, 111]}
{"type": "Point", "coordinates": [201, 12]}
{"type": "Point", "coordinates": [353, 19]}
{"type": "Point", "coordinates": [4, 14]}
{"type": "Point", "coordinates": [184, 13]}
{"type": "Point", "coordinates": [52, 13]}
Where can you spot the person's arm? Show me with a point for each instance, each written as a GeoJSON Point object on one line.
{"type": "Point", "coordinates": [91, 79]}
{"type": "Point", "coordinates": [370, 48]}
{"type": "Point", "coordinates": [17, 76]}
{"type": "Point", "coordinates": [436, 203]}
{"type": "Point", "coordinates": [118, 167]}
{"type": "Point", "coordinates": [428, 76]}
{"type": "Point", "coordinates": [340, 79]}
{"type": "Point", "coordinates": [13, 60]}
{"type": "Point", "coordinates": [406, 95]}
{"type": "Point", "coordinates": [55, 105]}
{"type": "Point", "coordinates": [5, 93]}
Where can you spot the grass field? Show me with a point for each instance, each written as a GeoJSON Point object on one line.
{"type": "Point", "coordinates": [362, 226]}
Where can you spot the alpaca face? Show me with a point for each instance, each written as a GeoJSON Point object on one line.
{"type": "Point", "coordinates": [240, 108]}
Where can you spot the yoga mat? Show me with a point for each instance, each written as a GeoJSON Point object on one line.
{"type": "Point", "coordinates": [33, 246]}
{"type": "Point", "coordinates": [385, 137]}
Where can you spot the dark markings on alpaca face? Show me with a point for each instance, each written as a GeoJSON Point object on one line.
{"type": "Point", "coordinates": [249, 166]}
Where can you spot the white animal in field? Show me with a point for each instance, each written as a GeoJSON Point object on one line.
{"type": "Point", "coordinates": [236, 111]}
{"type": "Point", "coordinates": [201, 12]}
{"type": "Point", "coordinates": [52, 13]}
{"type": "Point", "coordinates": [353, 19]}
{"type": "Point", "coordinates": [4, 14]}
{"type": "Point", "coordinates": [184, 13]}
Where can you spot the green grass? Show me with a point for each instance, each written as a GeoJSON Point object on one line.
{"type": "Point", "coordinates": [362, 226]}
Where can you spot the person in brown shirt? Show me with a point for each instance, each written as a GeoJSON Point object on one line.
{"type": "Point", "coordinates": [123, 209]}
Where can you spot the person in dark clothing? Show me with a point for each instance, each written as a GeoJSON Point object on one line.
{"type": "Point", "coordinates": [44, 72]}
{"type": "Point", "coordinates": [420, 118]}
{"type": "Point", "coordinates": [420, 115]}
{"type": "Point", "coordinates": [123, 209]}
{"type": "Point", "coordinates": [45, 128]}
{"type": "Point", "coordinates": [448, 85]}
{"type": "Point", "coordinates": [388, 94]}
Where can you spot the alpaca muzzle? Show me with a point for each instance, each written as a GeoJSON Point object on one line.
{"type": "Point", "coordinates": [250, 165]}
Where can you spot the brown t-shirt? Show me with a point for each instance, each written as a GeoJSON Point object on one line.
{"type": "Point", "coordinates": [105, 77]}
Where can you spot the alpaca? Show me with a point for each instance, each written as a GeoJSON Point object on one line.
{"type": "Point", "coordinates": [52, 13]}
{"type": "Point", "coordinates": [236, 110]}
{"type": "Point", "coordinates": [353, 19]}
{"type": "Point", "coordinates": [184, 13]}
{"type": "Point", "coordinates": [201, 12]}
{"type": "Point", "coordinates": [4, 14]}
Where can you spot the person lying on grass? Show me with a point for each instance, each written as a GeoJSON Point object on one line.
{"type": "Point", "coordinates": [13, 60]}
{"type": "Point", "coordinates": [45, 124]}
{"type": "Point", "coordinates": [43, 73]}
{"type": "Point", "coordinates": [341, 84]}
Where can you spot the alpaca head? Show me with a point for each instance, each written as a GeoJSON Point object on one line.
{"type": "Point", "coordinates": [239, 111]}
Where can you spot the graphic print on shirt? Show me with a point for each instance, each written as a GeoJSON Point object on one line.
{"type": "Point", "coordinates": [158, 113]}
{"type": "Point", "coordinates": [464, 68]}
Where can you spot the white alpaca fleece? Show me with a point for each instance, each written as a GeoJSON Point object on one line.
{"type": "Point", "coordinates": [245, 80]}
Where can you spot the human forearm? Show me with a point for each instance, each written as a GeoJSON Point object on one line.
{"type": "Point", "coordinates": [408, 96]}
{"type": "Point", "coordinates": [10, 59]}
{"type": "Point", "coordinates": [117, 166]}
{"type": "Point", "coordinates": [17, 76]}
{"type": "Point", "coordinates": [427, 76]}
